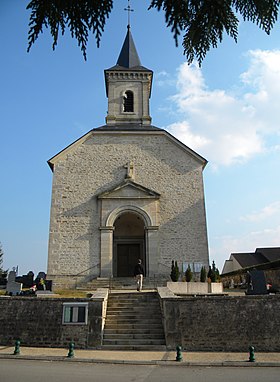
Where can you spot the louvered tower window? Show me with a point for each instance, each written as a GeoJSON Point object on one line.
{"type": "Point", "coordinates": [128, 104]}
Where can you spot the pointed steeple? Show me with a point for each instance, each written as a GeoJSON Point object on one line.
{"type": "Point", "coordinates": [128, 57]}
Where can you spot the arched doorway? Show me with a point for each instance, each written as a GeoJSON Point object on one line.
{"type": "Point", "coordinates": [128, 244]}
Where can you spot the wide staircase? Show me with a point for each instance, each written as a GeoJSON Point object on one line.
{"type": "Point", "coordinates": [133, 322]}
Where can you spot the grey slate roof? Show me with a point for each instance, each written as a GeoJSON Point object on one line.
{"type": "Point", "coordinates": [260, 256]}
{"type": "Point", "coordinates": [271, 254]}
{"type": "Point", "coordinates": [249, 259]}
{"type": "Point", "coordinates": [128, 58]}
{"type": "Point", "coordinates": [128, 127]}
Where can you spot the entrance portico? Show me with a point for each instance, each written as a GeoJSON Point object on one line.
{"type": "Point", "coordinates": [129, 214]}
{"type": "Point", "coordinates": [128, 244]}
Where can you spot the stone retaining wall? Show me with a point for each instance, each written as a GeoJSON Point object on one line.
{"type": "Point", "coordinates": [38, 322]}
{"type": "Point", "coordinates": [222, 323]}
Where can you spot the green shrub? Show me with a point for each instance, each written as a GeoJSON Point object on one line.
{"type": "Point", "coordinates": [189, 274]}
{"type": "Point", "coordinates": [203, 275]}
{"type": "Point", "coordinates": [214, 273]}
{"type": "Point", "coordinates": [174, 271]}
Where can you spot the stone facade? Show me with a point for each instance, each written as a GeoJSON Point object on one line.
{"type": "Point", "coordinates": [174, 216]}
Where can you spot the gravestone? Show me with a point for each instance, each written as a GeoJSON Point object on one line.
{"type": "Point", "coordinates": [256, 283]}
{"type": "Point", "coordinates": [13, 288]}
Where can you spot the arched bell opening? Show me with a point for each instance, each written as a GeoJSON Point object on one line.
{"type": "Point", "coordinates": [128, 244]}
{"type": "Point", "coordinates": [128, 102]}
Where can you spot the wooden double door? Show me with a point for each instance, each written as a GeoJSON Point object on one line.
{"type": "Point", "coordinates": [126, 255]}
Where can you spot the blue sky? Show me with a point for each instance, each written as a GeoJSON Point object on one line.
{"type": "Point", "coordinates": [228, 111]}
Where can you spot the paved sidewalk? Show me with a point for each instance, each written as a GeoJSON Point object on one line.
{"type": "Point", "coordinates": [144, 357]}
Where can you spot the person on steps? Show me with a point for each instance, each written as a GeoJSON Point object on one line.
{"type": "Point", "coordinates": [139, 274]}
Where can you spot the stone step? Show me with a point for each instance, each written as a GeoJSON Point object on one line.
{"type": "Point", "coordinates": [118, 336]}
{"type": "Point", "coordinates": [132, 322]}
{"type": "Point", "coordinates": [134, 318]}
{"type": "Point", "coordinates": [132, 312]}
{"type": "Point", "coordinates": [133, 297]}
{"type": "Point", "coordinates": [133, 294]}
{"type": "Point", "coordinates": [141, 316]}
{"type": "Point", "coordinates": [135, 347]}
{"type": "Point", "coordinates": [134, 342]}
{"type": "Point", "coordinates": [132, 326]}
{"type": "Point", "coordinates": [130, 300]}
{"type": "Point", "coordinates": [131, 307]}
{"type": "Point", "coordinates": [132, 331]}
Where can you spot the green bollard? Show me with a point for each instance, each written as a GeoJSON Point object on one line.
{"type": "Point", "coordinates": [71, 350]}
{"type": "Point", "coordinates": [17, 347]}
{"type": "Point", "coordinates": [252, 354]}
{"type": "Point", "coordinates": [179, 356]}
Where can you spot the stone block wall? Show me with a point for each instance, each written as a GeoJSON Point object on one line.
{"type": "Point", "coordinates": [223, 323]}
{"type": "Point", "coordinates": [38, 322]}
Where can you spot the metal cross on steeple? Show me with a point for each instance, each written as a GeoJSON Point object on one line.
{"type": "Point", "coordinates": [128, 9]}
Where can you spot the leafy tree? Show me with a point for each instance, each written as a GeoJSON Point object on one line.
{"type": "Point", "coordinates": [203, 274]}
{"type": "Point", "coordinates": [174, 271]}
{"type": "Point", "coordinates": [188, 274]}
{"type": "Point", "coordinates": [203, 23]}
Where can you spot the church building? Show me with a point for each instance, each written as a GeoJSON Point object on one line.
{"type": "Point", "coordinates": [126, 191]}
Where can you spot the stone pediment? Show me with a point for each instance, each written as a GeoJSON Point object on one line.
{"type": "Point", "coordinates": [129, 190]}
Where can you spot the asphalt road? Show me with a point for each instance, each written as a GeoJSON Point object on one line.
{"type": "Point", "coordinates": [46, 371]}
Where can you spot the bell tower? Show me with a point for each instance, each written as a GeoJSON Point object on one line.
{"type": "Point", "coordinates": [128, 88]}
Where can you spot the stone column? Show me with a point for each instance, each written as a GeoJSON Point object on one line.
{"type": "Point", "coordinates": [106, 249]}
{"type": "Point", "coordinates": [152, 250]}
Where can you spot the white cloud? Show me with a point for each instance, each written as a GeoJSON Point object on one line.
{"type": "Point", "coordinates": [228, 127]}
{"type": "Point", "coordinates": [183, 132]}
{"type": "Point", "coordinates": [163, 78]}
{"type": "Point", "coordinates": [265, 213]}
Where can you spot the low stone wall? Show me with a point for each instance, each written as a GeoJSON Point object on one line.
{"type": "Point", "coordinates": [196, 288]}
{"type": "Point", "coordinates": [221, 323]}
{"type": "Point", "coordinates": [38, 322]}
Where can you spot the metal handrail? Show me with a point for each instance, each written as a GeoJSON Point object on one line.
{"type": "Point", "coordinates": [167, 266]}
{"type": "Point", "coordinates": [85, 270]}
{"type": "Point", "coordinates": [80, 273]}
